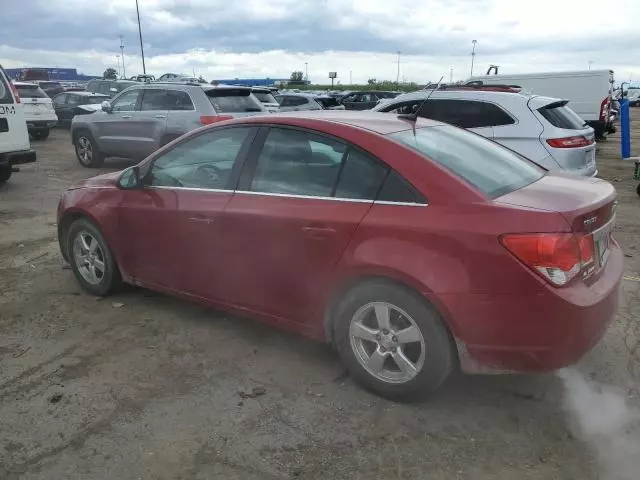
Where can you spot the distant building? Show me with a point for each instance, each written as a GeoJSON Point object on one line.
{"type": "Point", "coordinates": [61, 74]}
{"type": "Point", "coordinates": [253, 82]}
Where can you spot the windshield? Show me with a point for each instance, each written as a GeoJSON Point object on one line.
{"type": "Point", "coordinates": [31, 91]}
{"type": "Point", "coordinates": [491, 168]}
{"type": "Point", "coordinates": [265, 97]}
{"type": "Point", "coordinates": [328, 102]}
{"type": "Point", "coordinates": [229, 100]}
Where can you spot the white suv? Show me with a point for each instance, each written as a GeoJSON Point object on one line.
{"type": "Point", "coordinates": [14, 139]}
{"type": "Point", "coordinates": [38, 110]}
{"type": "Point", "coordinates": [542, 129]}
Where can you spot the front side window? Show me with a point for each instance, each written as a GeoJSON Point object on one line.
{"type": "Point", "coordinates": [205, 161]}
{"type": "Point", "coordinates": [153, 99]}
{"type": "Point", "coordinates": [298, 163]}
{"type": "Point", "coordinates": [126, 102]}
{"type": "Point", "coordinates": [60, 99]}
{"type": "Point", "coordinates": [488, 166]}
{"type": "Point", "coordinates": [264, 97]}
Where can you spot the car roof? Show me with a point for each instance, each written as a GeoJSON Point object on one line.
{"type": "Point", "coordinates": [382, 123]}
{"type": "Point", "coordinates": [84, 93]}
{"type": "Point", "coordinates": [26, 84]}
{"type": "Point", "coordinates": [453, 93]}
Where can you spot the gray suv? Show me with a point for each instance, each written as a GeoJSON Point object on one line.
{"type": "Point", "coordinates": [145, 117]}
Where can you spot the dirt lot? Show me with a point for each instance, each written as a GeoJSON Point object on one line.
{"type": "Point", "coordinates": [143, 386]}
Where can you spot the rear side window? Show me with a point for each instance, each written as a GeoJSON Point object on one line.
{"type": "Point", "coordinates": [328, 102]}
{"type": "Point", "coordinates": [233, 101]}
{"type": "Point", "coordinates": [361, 177]}
{"type": "Point", "coordinates": [561, 116]}
{"type": "Point", "coordinates": [5, 91]}
{"type": "Point", "coordinates": [466, 113]}
{"type": "Point", "coordinates": [297, 101]}
{"type": "Point", "coordinates": [396, 189]}
{"type": "Point", "coordinates": [30, 91]}
{"type": "Point", "coordinates": [484, 164]}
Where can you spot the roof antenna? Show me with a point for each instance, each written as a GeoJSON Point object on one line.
{"type": "Point", "coordinates": [414, 116]}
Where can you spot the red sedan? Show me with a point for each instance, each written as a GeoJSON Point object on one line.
{"type": "Point", "coordinates": [414, 247]}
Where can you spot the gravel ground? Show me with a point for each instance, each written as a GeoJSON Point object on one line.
{"type": "Point", "coordinates": [144, 386]}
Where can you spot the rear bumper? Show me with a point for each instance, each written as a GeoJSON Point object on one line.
{"type": "Point", "coordinates": [17, 158]}
{"type": "Point", "coordinates": [37, 125]}
{"type": "Point", "coordinates": [535, 333]}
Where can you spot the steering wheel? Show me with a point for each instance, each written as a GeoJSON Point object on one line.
{"type": "Point", "coordinates": [212, 173]}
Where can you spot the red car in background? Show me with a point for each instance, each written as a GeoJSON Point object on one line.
{"type": "Point", "coordinates": [413, 246]}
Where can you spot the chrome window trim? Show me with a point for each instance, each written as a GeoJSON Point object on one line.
{"type": "Point", "coordinates": [288, 195]}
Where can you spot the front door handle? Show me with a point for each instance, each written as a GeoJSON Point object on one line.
{"type": "Point", "coordinates": [161, 116]}
{"type": "Point", "coordinates": [318, 232]}
{"type": "Point", "coordinates": [126, 116]}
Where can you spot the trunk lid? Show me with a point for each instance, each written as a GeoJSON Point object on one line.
{"type": "Point", "coordinates": [586, 203]}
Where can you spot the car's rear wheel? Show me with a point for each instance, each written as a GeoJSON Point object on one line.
{"type": "Point", "coordinates": [5, 173]}
{"type": "Point", "coordinates": [392, 341]}
{"type": "Point", "coordinates": [638, 189]}
{"type": "Point", "coordinates": [91, 259]}
{"type": "Point", "coordinates": [87, 151]}
{"type": "Point", "coordinates": [40, 134]}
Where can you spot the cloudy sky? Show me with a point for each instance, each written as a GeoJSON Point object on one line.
{"type": "Point", "coordinates": [359, 39]}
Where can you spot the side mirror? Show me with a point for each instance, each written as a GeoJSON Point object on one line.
{"type": "Point", "coordinates": [106, 107]}
{"type": "Point", "coordinates": [130, 178]}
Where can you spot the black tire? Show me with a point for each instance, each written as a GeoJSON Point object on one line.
{"type": "Point", "coordinates": [5, 173]}
{"type": "Point", "coordinates": [439, 351]}
{"type": "Point", "coordinates": [84, 142]}
{"type": "Point", "coordinates": [638, 189]}
{"type": "Point", "coordinates": [110, 279]}
{"type": "Point", "coordinates": [40, 135]}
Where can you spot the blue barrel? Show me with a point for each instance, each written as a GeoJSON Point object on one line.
{"type": "Point", "coordinates": [625, 129]}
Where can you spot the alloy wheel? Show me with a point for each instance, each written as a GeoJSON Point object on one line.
{"type": "Point", "coordinates": [89, 258]}
{"type": "Point", "coordinates": [387, 342]}
{"type": "Point", "coordinates": [84, 150]}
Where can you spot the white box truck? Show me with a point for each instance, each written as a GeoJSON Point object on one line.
{"type": "Point", "coordinates": [589, 91]}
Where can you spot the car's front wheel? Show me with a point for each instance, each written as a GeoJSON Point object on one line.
{"type": "Point", "coordinates": [392, 341]}
{"type": "Point", "coordinates": [5, 173]}
{"type": "Point", "coordinates": [87, 151]}
{"type": "Point", "coordinates": [91, 259]}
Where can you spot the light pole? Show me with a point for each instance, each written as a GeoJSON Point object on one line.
{"type": "Point", "coordinates": [398, 74]}
{"type": "Point", "coordinates": [590, 63]}
{"type": "Point", "coordinates": [124, 72]}
{"type": "Point", "coordinates": [144, 69]}
{"type": "Point", "coordinates": [118, 63]}
{"type": "Point", "coordinates": [350, 77]}
{"type": "Point", "coordinates": [473, 54]}
{"type": "Point", "coordinates": [451, 74]}
{"type": "Point", "coordinates": [306, 71]}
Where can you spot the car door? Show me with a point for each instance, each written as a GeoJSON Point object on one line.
{"type": "Point", "coordinates": [61, 108]}
{"type": "Point", "coordinates": [469, 114]}
{"type": "Point", "coordinates": [115, 129]}
{"type": "Point", "coordinates": [284, 229]}
{"type": "Point", "coordinates": [150, 122]}
{"type": "Point", "coordinates": [172, 224]}
{"type": "Point", "coordinates": [351, 101]}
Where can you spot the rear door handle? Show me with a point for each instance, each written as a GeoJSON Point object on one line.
{"type": "Point", "coordinates": [206, 220]}
{"type": "Point", "coordinates": [161, 116]}
{"type": "Point", "coordinates": [126, 116]}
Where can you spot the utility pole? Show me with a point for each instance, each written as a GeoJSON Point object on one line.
{"type": "Point", "coordinates": [473, 54]}
{"type": "Point", "coordinates": [590, 63]}
{"type": "Point", "coordinates": [398, 74]}
{"type": "Point", "coordinates": [144, 69]}
{"type": "Point", "coordinates": [350, 77]}
{"type": "Point", "coordinates": [118, 63]}
{"type": "Point", "coordinates": [306, 71]}
{"type": "Point", "coordinates": [451, 74]}
{"type": "Point", "coordinates": [124, 72]}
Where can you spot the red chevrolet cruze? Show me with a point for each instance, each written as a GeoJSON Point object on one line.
{"type": "Point", "coordinates": [413, 246]}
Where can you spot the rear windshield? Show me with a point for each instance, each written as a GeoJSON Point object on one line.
{"type": "Point", "coordinates": [328, 102]}
{"type": "Point", "coordinates": [265, 97]}
{"type": "Point", "coordinates": [31, 91]}
{"type": "Point", "coordinates": [228, 100]}
{"type": "Point", "coordinates": [561, 116]}
{"type": "Point", "coordinates": [50, 85]}
{"type": "Point", "coordinates": [5, 91]}
{"type": "Point", "coordinates": [491, 168]}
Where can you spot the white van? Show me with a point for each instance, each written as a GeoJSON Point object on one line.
{"type": "Point", "coordinates": [14, 138]}
{"type": "Point", "coordinates": [589, 91]}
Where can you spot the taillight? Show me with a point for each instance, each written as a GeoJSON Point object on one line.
{"type": "Point", "coordinates": [558, 257]}
{"type": "Point", "coordinates": [16, 95]}
{"type": "Point", "coordinates": [570, 142]}
{"type": "Point", "coordinates": [604, 106]}
{"type": "Point", "coordinates": [209, 119]}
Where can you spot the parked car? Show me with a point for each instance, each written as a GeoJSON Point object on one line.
{"type": "Point", "coordinates": [589, 92]}
{"type": "Point", "coordinates": [14, 137]}
{"type": "Point", "coordinates": [177, 77]}
{"type": "Point", "coordinates": [51, 88]}
{"type": "Point", "coordinates": [38, 110]}
{"type": "Point", "coordinates": [265, 96]}
{"type": "Point", "coordinates": [293, 102]}
{"type": "Point", "coordinates": [542, 129]}
{"type": "Point", "coordinates": [413, 246]}
{"type": "Point", "coordinates": [364, 100]}
{"type": "Point", "coordinates": [69, 104]}
{"type": "Point", "coordinates": [329, 103]}
{"type": "Point", "coordinates": [148, 115]}
{"type": "Point", "coordinates": [109, 87]}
